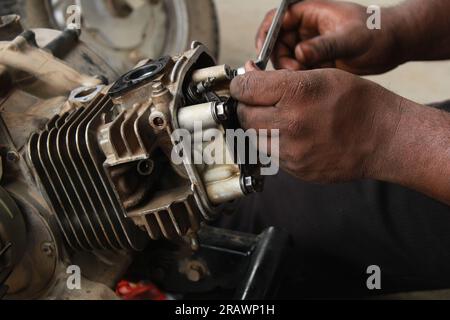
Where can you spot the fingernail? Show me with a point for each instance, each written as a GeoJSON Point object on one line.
{"type": "Point", "coordinates": [300, 55]}
{"type": "Point", "coordinates": [251, 66]}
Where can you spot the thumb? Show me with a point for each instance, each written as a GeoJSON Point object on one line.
{"type": "Point", "coordinates": [321, 49]}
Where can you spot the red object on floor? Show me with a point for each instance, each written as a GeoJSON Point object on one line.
{"type": "Point", "coordinates": [139, 291]}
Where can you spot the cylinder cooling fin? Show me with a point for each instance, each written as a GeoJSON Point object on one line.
{"type": "Point", "coordinates": [68, 161]}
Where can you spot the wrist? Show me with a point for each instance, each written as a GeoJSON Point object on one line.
{"type": "Point", "coordinates": [387, 126]}
{"type": "Point", "coordinates": [417, 154]}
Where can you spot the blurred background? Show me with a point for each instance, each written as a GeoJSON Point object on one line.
{"type": "Point", "coordinates": [239, 20]}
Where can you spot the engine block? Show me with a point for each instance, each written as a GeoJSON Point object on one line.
{"type": "Point", "coordinates": [106, 162]}
{"type": "Point", "coordinates": [91, 172]}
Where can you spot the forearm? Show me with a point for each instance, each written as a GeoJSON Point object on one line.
{"type": "Point", "coordinates": [422, 29]}
{"type": "Point", "coordinates": [418, 155]}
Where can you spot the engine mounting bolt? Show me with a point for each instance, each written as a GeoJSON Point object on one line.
{"type": "Point", "coordinates": [47, 249]}
{"type": "Point", "coordinates": [12, 156]}
{"type": "Point", "coordinates": [196, 271]}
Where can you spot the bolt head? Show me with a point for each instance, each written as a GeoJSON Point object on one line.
{"type": "Point", "coordinates": [145, 167]}
{"type": "Point", "coordinates": [194, 275]}
{"type": "Point", "coordinates": [249, 183]}
{"type": "Point", "coordinates": [158, 120]}
{"type": "Point", "coordinates": [48, 249]}
{"type": "Point", "coordinates": [253, 184]}
{"type": "Point", "coordinates": [196, 271]}
{"type": "Point", "coordinates": [157, 87]}
{"type": "Point", "coordinates": [12, 156]}
{"type": "Point", "coordinates": [222, 112]}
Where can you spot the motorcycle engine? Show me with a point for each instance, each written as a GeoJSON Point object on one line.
{"type": "Point", "coordinates": [88, 170]}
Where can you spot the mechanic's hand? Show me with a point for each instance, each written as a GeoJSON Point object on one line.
{"type": "Point", "coordinates": [320, 33]}
{"type": "Point", "coordinates": [333, 125]}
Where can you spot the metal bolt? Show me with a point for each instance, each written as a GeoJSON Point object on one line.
{"type": "Point", "coordinates": [157, 88]}
{"type": "Point", "coordinates": [196, 271]}
{"type": "Point", "coordinates": [210, 82]}
{"type": "Point", "coordinates": [12, 156]}
{"type": "Point", "coordinates": [221, 111]}
{"type": "Point", "coordinates": [158, 120]}
{"type": "Point", "coordinates": [206, 85]}
{"type": "Point", "coordinates": [249, 183]}
{"type": "Point", "coordinates": [48, 249]}
{"type": "Point", "coordinates": [252, 184]}
{"type": "Point", "coordinates": [145, 167]}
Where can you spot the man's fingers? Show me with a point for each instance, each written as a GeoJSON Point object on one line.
{"type": "Point", "coordinates": [290, 23]}
{"type": "Point", "coordinates": [289, 38]}
{"type": "Point", "coordinates": [253, 117]}
{"type": "Point", "coordinates": [260, 88]}
{"type": "Point", "coordinates": [321, 49]}
{"type": "Point", "coordinates": [287, 63]}
{"type": "Point", "coordinates": [283, 56]}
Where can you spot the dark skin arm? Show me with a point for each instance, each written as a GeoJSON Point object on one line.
{"type": "Point", "coordinates": [336, 127]}
{"type": "Point", "coordinates": [423, 29]}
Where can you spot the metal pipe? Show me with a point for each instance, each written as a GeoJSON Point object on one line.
{"type": "Point", "coordinates": [272, 35]}
{"type": "Point", "coordinates": [218, 73]}
{"type": "Point", "coordinates": [225, 191]}
{"type": "Point", "coordinates": [271, 39]}
{"type": "Point", "coordinates": [203, 114]}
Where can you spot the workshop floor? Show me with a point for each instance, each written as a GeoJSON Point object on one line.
{"type": "Point", "coordinates": [421, 82]}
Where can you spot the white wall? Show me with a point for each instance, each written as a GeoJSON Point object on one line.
{"type": "Point", "coordinates": [239, 19]}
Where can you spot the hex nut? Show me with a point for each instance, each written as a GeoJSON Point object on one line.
{"type": "Point", "coordinates": [12, 156]}
{"type": "Point", "coordinates": [221, 112]}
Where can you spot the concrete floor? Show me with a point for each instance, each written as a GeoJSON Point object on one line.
{"type": "Point", "coordinates": [239, 20]}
